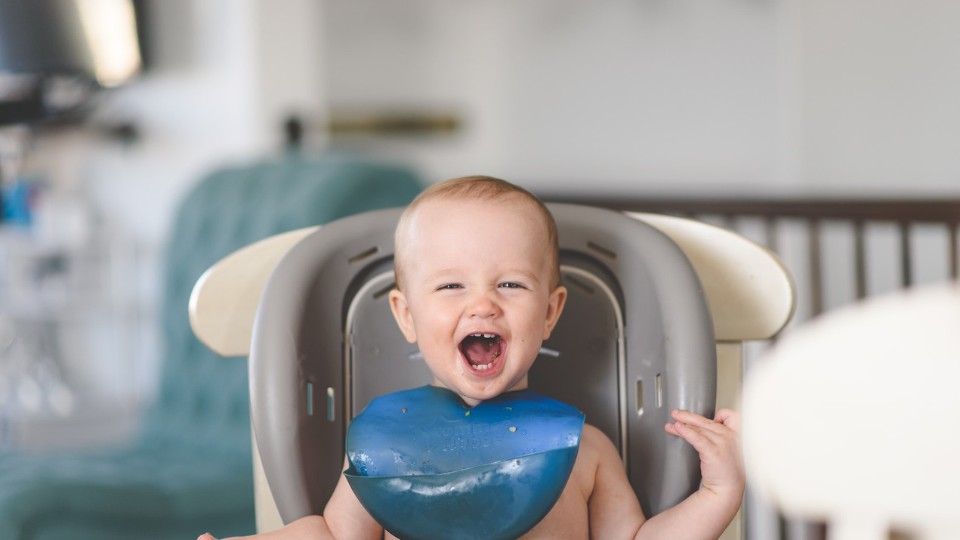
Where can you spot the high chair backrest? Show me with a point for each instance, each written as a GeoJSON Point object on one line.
{"type": "Point", "coordinates": [636, 339]}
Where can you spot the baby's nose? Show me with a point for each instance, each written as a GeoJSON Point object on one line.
{"type": "Point", "coordinates": [483, 305]}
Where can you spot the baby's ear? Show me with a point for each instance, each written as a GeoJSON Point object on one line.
{"type": "Point", "coordinates": [554, 308]}
{"type": "Point", "coordinates": [401, 313]}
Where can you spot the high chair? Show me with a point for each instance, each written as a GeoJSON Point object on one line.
{"type": "Point", "coordinates": [657, 312]}
{"type": "Point", "coordinates": [852, 418]}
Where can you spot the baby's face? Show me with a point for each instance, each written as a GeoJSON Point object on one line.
{"type": "Point", "coordinates": [477, 293]}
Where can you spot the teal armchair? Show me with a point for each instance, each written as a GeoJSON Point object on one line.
{"type": "Point", "coordinates": [189, 470]}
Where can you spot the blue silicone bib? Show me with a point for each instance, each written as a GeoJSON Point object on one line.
{"type": "Point", "coordinates": [427, 466]}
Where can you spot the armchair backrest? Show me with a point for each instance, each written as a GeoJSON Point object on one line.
{"type": "Point", "coordinates": [201, 398]}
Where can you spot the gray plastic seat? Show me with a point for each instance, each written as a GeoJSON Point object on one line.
{"type": "Point", "coordinates": [635, 341]}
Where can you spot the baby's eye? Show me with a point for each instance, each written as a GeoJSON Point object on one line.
{"type": "Point", "coordinates": [511, 285]}
{"type": "Point", "coordinates": [449, 286]}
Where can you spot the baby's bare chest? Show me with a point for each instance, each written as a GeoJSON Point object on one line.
{"type": "Point", "coordinates": [567, 520]}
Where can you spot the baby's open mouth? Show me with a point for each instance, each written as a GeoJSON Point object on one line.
{"type": "Point", "coordinates": [481, 350]}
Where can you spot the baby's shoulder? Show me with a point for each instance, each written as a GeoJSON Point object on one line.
{"type": "Point", "coordinates": [595, 444]}
{"type": "Point", "coordinates": [598, 462]}
{"type": "Point", "coordinates": [596, 452]}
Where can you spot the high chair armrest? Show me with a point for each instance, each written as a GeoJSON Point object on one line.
{"type": "Point", "coordinates": [223, 303]}
{"type": "Point", "coordinates": [751, 293]}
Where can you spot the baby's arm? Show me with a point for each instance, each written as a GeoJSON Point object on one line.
{"type": "Point", "coordinates": [702, 515]}
{"type": "Point", "coordinates": [346, 517]}
{"type": "Point", "coordinates": [708, 511]}
{"type": "Point", "coordinates": [343, 518]}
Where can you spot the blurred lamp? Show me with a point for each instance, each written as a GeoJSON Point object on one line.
{"type": "Point", "coordinates": [55, 53]}
{"type": "Point", "coordinates": [92, 38]}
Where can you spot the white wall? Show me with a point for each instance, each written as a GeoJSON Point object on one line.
{"type": "Point", "coordinates": [618, 95]}
{"type": "Point", "coordinates": [878, 81]}
{"type": "Point", "coordinates": [717, 97]}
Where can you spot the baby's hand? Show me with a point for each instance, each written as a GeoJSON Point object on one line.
{"type": "Point", "coordinates": [718, 443]}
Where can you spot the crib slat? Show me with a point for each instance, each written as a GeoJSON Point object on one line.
{"type": "Point", "coordinates": [771, 234]}
{"type": "Point", "coordinates": [906, 255]}
{"type": "Point", "coordinates": [860, 259]}
{"type": "Point", "coordinates": [952, 249]}
{"type": "Point", "coordinates": [814, 255]}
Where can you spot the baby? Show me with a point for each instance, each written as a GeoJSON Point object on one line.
{"type": "Point", "coordinates": [480, 254]}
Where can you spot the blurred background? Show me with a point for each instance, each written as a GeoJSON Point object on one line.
{"type": "Point", "coordinates": [810, 101]}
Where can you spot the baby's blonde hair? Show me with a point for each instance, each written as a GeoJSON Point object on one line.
{"type": "Point", "coordinates": [482, 188]}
